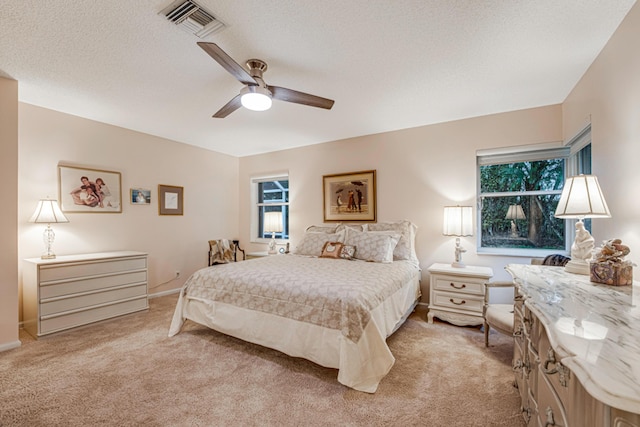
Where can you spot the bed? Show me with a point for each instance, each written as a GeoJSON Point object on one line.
{"type": "Point", "coordinates": [321, 303]}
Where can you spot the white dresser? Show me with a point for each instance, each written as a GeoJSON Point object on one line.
{"type": "Point", "coordinates": [457, 294]}
{"type": "Point", "coordinates": [75, 290]}
{"type": "Point", "coordinates": [576, 358]}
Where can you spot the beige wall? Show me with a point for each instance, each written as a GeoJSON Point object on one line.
{"type": "Point", "coordinates": [419, 171]}
{"type": "Point", "coordinates": [609, 96]}
{"type": "Point", "coordinates": [9, 197]}
{"type": "Point", "coordinates": [172, 242]}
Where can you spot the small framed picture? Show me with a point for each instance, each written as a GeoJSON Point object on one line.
{"type": "Point", "coordinates": [89, 190]}
{"type": "Point", "coordinates": [350, 196]}
{"type": "Point", "coordinates": [170, 200]}
{"type": "Point", "coordinates": [140, 196]}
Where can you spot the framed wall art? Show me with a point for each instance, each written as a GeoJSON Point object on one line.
{"type": "Point", "coordinates": [170, 200]}
{"type": "Point", "coordinates": [89, 190]}
{"type": "Point", "coordinates": [350, 196]}
{"type": "Point", "coordinates": [140, 196]}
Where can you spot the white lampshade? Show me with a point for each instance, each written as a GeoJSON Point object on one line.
{"type": "Point", "coordinates": [255, 98]}
{"type": "Point", "coordinates": [515, 212]}
{"type": "Point", "coordinates": [273, 222]}
{"type": "Point", "coordinates": [48, 212]}
{"type": "Point", "coordinates": [458, 221]}
{"type": "Point", "coordinates": [582, 198]}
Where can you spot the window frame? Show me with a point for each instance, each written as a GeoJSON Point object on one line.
{"type": "Point", "coordinates": [570, 151]}
{"type": "Point", "coordinates": [256, 206]}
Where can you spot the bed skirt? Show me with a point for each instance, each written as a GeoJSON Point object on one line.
{"type": "Point", "coordinates": [361, 365]}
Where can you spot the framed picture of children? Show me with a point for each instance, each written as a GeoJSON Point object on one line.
{"type": "Point", "coordinates": [89, 190]}
{"type": "Point", "coordinates": [140, 196]}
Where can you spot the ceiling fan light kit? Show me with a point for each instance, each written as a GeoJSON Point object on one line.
{"type": "Point", "coordinates": [255, 98]}
{"type": "Point", "coordinates": [257, 95]}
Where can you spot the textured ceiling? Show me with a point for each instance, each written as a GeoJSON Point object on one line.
{"type": "Point", "coordinates": [387, 64]}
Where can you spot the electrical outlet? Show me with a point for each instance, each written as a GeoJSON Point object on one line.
{"type": "Point", "coordinates": [177, 273]}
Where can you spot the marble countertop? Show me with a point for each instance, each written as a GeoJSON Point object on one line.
{"type": "Point", "coordinates": [595, 329]}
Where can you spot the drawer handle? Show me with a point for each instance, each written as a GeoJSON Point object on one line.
{"type": "Point", "coordinates": [457, 303]}
{"type": "Point", "coordinates": [550, 420]}
{"type": "Point", "coordinates": [551, 359]}
{"type": "Point", "coordinates": [518, 332]}
{"type": "Point", "coordinates": [559, 368]}
{"type": "Point", "coordinates": [453, 285]}
{"type": "Point", "coordinates": [518, 365]}
{"type": "Point", "coordinates": [523, 366]}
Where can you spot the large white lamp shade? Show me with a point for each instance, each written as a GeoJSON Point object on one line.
{"type": "Point", "coordinates": [458, 221]}
{"type": "Point", "coordinates": [581, 198]}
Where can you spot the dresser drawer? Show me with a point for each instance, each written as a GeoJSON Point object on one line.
{"type": "Point", "coordinates": [74, 302]}
{"type": "Point", "coordinates": [90, 268]}
{"type": "Point", "coordinates": [453, 285]}
{"type": "Point", "coordinates": [551, 412]}
{"type": "Point", "coordinates": [556, 374]}
{"type": "Point", "coordinates": [91, 314]}
{"type": "Point", "coordinates": [74, 290]}
{"type": "Point", "coordinates": [61, 288]}
{"type": "Point", "coordinates": [458, 301]}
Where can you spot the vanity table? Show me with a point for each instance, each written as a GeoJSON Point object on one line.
{"type": "Point", "coordinates": [577, 349]}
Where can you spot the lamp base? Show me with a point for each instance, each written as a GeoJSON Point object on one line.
{"type": "Point", "coordinates": [272, 244]}
{"type": "Point", "coordinates": [458, 259]}
{"type": "Point", "coordinates": [578, 266]}
{"type": "Point", "coordinates": [48, 237]}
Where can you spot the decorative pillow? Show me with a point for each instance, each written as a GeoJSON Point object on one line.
{"type": "Point", "coordinates": [347, 252]}
{"type": "Point", "coordinates": [372, 246]}
{"type": "Point", "coordinates": [312, 242]}
{"type": "Point", "coordinates": [324, 228]}
{"type": "Point", "coordinates": [332, 250]}
{"type": "Point", "coordinates": [406, 248]}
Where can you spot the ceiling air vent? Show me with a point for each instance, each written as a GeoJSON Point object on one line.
{"type": "Point", "coordinates": [191, 17]}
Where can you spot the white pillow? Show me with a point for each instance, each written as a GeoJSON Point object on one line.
{"type": "Point", "coordinates": [312, 242]}
{"type": "Point", "coordinates": [406, 248]}
{"type": "Point", "coordinates": [372, 246]}
{"type": "Point", "coordinates": [324, 228]}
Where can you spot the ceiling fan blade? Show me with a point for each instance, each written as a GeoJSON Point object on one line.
{"type": "Point", "coordinates": [228, 63]}
{"type": "Point", "coordinates": [228, 108]}
{"type": "Point", "coordinates": [290, 95]}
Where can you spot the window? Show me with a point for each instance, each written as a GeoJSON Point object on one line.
{"type": "Point", "coordinates": [271, 194]}
{"type": "Point", "coordinates": [519, 189]}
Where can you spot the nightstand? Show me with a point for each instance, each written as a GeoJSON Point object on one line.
{"type": "Point", "coordinates": [456, 295]}
{"type": "Point", "coordinates": [253, 255]}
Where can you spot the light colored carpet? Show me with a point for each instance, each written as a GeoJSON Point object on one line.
{"type": "Point", "coordinates": [127, 372]}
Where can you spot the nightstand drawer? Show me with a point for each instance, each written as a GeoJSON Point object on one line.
{"type": "Point", "coordinates": [452, 285]}
{"type": "Point", "coordinates": [458, 301]}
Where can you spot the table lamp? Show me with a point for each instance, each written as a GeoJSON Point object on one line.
{"type": "Point", "coordinates": [515, 212]}
{"type": "Point", "coordinates": [273, 225]}
{"type": "Point", "coordinates": [458, 221]}
{"type": "Point", "coordinates": [48, 212]}
{"type": "Point", "coordinates": [581, 198]}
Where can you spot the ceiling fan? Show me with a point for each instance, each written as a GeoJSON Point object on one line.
{"type": "Point", "coordinates": [257, 95]}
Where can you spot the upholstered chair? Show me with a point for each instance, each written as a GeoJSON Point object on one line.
{"type": "Point", "coordinates": [500, 316]}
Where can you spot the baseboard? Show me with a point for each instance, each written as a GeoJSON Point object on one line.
{"type": "Point", "coordinates": [10, 345]}
{"type": "Point", "coordinates": [164, 293]}
{"type": "Point", "coordinates": [423, 304]}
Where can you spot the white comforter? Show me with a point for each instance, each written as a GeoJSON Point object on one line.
{"type": "Point", "coordinates": [336, 313]}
